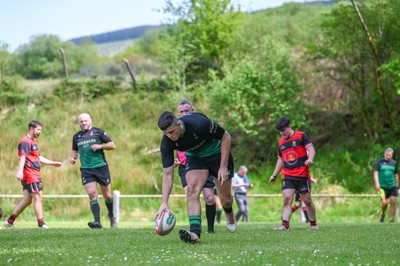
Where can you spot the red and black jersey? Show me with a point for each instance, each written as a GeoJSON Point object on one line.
{"type": "Point", "coordinates": [293, 152]}
{"type": "Point", "coordinates": [27, 147]}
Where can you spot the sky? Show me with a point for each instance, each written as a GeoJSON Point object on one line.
{"type": "Point", "coordinates": [22, 19]}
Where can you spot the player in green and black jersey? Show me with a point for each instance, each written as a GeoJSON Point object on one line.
{"type": "Point", "coordinates": [387, 179]}
{"type": "Point", "coordinates": [207, 146]}
{"type": "Point", "coordinates": [89, 143]}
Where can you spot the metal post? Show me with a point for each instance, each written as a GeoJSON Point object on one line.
{"type": "Point", "coordinates": [116, 199]}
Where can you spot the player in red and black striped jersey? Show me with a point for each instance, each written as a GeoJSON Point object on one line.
{"type": "Point", "coordinates": [296, 153]}
{"type": "Point", "coordinates": [29, 166]}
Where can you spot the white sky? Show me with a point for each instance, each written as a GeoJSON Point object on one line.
{"type": "Point", "coordinates": [22, 19]}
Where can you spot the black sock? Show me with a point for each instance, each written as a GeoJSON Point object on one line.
{"type": "Point", "coordinates": [227, 210]}
{"type": "Point", "coordinates": [218, 219]}
{"type": "Point", "coordinates": [110, 205]}
{"type": "Point", "coordinates": [40, 222]}
{"type": "Point", "coordinates": [94, 206]}
{"type": "Point", "coordinates": [306, 216]}
{"type": "Point", "coordinates": [210, 214]}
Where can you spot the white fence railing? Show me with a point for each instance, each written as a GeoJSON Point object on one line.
{"type": "Point", "coordinates": [117, 196]}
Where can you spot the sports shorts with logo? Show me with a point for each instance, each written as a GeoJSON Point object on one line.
{"type": "Point", "coordinates": [301, 184]}
{"type": "Point", "coordinates": [100, 175]}
{"type": "Point", "coordinates": [34, 187]}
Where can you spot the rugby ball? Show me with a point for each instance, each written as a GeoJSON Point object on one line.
{"type": "Point", "coordinates": [165, 223]}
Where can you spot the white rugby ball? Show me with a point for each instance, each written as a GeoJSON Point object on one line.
{"type": "Point", "coordinates": [165, 223]}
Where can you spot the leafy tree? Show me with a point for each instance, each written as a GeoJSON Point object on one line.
{"type": "Point", "coordinates": [198, 36]}
{"type": "Point", "coordinates": [4, 58]}
{"type": "Point", "coordinates": [344, 54]}
{"type": "Point", "coordinates": [253, 95]}
{"type": "Point", "coordinates": [41, 58]}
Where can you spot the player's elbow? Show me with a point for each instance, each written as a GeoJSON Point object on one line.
{"type": "Point", "coordinates": [111, 146]}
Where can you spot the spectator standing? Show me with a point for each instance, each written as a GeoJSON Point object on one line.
{"type": "Point", "coordinates": [240, 184]}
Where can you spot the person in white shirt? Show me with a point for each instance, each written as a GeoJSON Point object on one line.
{"type": "Point", "coordinates": [240, 184]}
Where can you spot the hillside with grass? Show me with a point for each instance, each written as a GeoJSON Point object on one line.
{"type": "Point", "coordinates": [130, 119]}
{"type": "Point", "coordinates": [310, 62]}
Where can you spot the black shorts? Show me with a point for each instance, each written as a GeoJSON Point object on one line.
{"type": "Point", "coordinates": [301, 184]}
{"type": "Point", "coordinates": [100, 175]}
{"type": "Point", "coordinates": [182, 173]}
{"type": "Point", "coordinates": [297, 196]}
{"type": "Point", "coordinates": [211, 163]}
{"type": "Point", "coordinates": [32, 187]}
{"type": "Point", "coordinates": [390, 192]}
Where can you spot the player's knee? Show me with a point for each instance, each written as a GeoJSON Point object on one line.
{"type": "Point", "coordinates": [192, 191]}
{"type": "Point", "coordinates": [209, 199]}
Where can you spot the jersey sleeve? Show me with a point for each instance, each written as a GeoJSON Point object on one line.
{"type": "Point", "coordinates": [24, 149]}
{"type": "Point", "coordinates": [74, 144]}
{"type": "Point", "coordinates": [216, 130]}
{"type": "Point", "coordinates": [167, 152]}
{"type": "Point", "coordinates": [378, 166]}
{"type": "Point", "coordinates": [306, 140]}
{"type": "Point", "coordinates": [103, 136]}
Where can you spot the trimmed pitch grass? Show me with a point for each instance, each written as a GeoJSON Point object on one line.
{"type": "Point", "coordinates": [253, 244]}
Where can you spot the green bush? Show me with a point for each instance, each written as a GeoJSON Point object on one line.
{"type": "Point", "coordinates": [88, 89]}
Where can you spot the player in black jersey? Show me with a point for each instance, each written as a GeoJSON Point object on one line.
{"type": "Point", "coordinates": [89, 143]}
{"type": "Point", "coordinates": [207, 147]}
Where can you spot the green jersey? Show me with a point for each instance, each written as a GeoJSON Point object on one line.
{"type": "Point", "coordinates": [83, 141]}
{"type": "Point", "coordinates": [387, 171]}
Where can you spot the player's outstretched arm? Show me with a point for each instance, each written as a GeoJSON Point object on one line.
{"type": "Point", "coordinates": [46, 161]}
{"type": "Point", "coordinates": [223, 173]}
{"type": "Point", "coordinates": [167, 183]}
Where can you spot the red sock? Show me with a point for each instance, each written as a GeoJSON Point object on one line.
{"type": "Point", "coordinates": [313, 223]}
{"type": "Point", "coordinates": [285, 223]}
{"type": "Point", "coordinates": [12, 218]}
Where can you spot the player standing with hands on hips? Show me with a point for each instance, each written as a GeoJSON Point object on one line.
{"type": "Point", "coordinates": [207, 147]}
{"type": "Point", "coordinates": [90, 143]}
{"type": "Point", "coordinates": [296, 153]}
{"type": "Point", "coordinates": [30, 164]}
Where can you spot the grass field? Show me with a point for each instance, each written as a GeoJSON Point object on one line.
{"type": "Point", "coordinates": [253, 244]}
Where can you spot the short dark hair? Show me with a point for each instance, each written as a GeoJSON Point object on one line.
{"type": "Point", "coordinates": [34, 124]}
{"type": "Point", "coordinates": [282, 123]}
{"type": "Point", "coordinates": [166, 119]}
{"type": "Point", "coordinates": [184, 101]}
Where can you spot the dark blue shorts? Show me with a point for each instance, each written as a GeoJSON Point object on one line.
{"type": "Point", "coordinates": [390, 192]}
